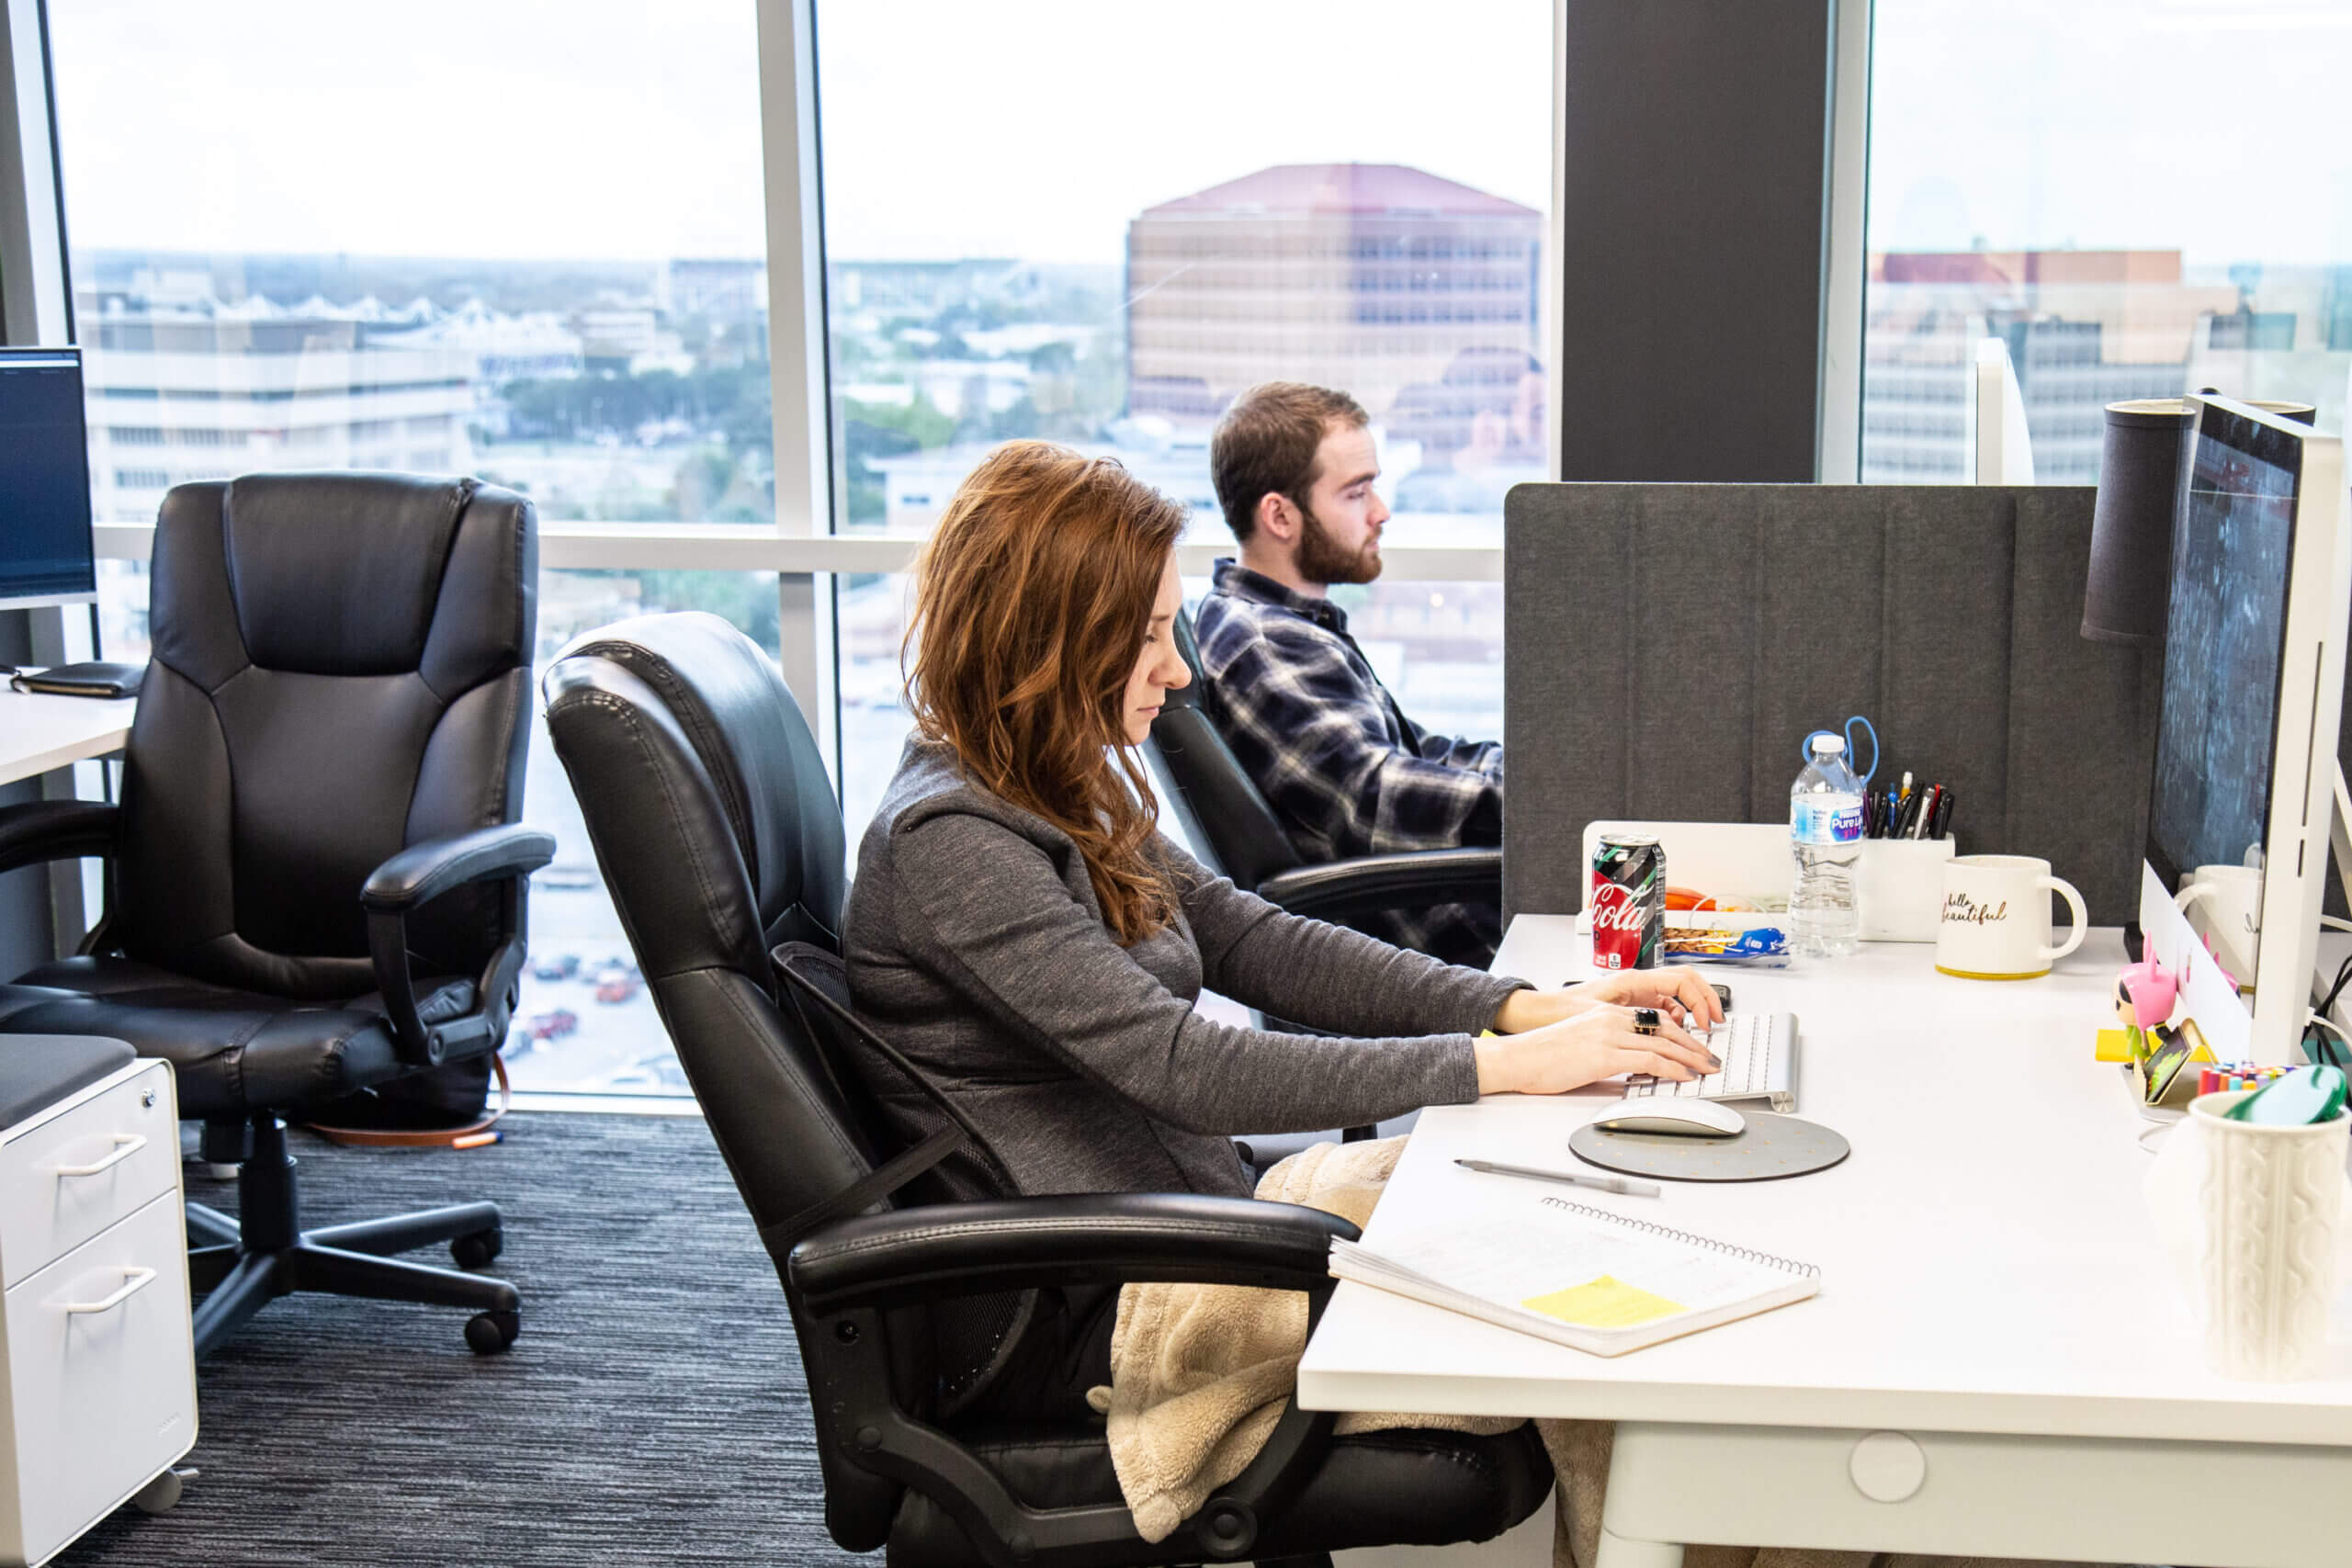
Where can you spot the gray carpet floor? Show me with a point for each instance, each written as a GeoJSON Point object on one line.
{"type": "Point", "coordinates": [651, 1411]}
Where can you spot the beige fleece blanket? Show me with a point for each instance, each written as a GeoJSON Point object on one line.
{"type": "Point", "coordinates": [1200, 1374]}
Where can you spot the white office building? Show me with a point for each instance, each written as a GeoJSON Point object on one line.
{"type": "Point", "coordinates": [206, 390]}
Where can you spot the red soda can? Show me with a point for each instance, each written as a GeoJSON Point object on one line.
{"type": "Point", "coordinates": [1628, 902]}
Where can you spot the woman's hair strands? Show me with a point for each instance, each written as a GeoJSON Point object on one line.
{"type": "Point", "coordinates": [1032, 601]}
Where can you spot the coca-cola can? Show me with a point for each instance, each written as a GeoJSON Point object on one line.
{"type": "Point", "coordinates": [1628, 902]}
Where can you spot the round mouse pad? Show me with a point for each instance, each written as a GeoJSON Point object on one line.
{"type": "Point", "coordinates": [1767, 1148]}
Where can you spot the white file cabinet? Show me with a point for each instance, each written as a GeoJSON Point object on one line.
{"type": "Point", "coordinates": [97, 1363]}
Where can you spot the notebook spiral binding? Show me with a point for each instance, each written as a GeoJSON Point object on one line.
{"type": "Point", "coordinates": [1770, 1259]}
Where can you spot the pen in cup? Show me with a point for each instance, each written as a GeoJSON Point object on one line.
{"type": "Point", "coordinates": [1617, 1184]}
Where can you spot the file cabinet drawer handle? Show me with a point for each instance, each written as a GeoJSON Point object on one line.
{"type": "Point", "coordinates": [134, 1280]}
{"type": "Point", "coordinates": [125, 1145]}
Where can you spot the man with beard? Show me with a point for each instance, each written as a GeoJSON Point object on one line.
{"type": "Point", "coordinates": [1343, 768]}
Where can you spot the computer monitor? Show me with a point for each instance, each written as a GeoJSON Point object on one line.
{"type": "Point", "coordinates": [47, 556]}
{"type": "Point", "coordinates": [2245, 738]}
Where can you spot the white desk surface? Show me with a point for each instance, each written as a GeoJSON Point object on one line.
{"type": "Point", "coordinates": [1988, 1264]}
{"type": "Point", "coordinates": [39, 733]}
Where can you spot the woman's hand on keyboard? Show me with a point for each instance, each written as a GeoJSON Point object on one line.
{"type": "Point", "coordinates": [1600, 1042]}
{"type": "Point", "coordinates": [1678, 989]}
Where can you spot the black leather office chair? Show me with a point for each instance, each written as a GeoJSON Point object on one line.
{"type": "Point", "coordinates": [717, 832]}
{"type": "Point", "coordinates": [1222, 813]}
{"type": "Point", "coordinates": [316, 877]}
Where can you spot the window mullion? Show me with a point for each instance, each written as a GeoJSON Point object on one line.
{"type": "Point", "coordinates": [797, 353]}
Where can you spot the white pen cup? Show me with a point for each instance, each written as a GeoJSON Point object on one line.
{"type": "Point", "coordinates": [2224, 904]}
{"type": "Point", "coordinates": [2272, 1199]}
{"type": "Point", "coordinates": [1996, 919]}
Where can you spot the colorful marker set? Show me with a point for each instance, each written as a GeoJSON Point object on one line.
{"type": "Point", "coordinates": [2227, 1076]}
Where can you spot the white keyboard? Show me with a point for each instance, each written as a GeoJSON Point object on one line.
{"type": "Point", "coordinates": [1759, 1051]}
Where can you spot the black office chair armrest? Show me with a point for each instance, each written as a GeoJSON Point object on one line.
{"type": "Point", "coordinates": [1368, 883]}
{"type": "Point", "coordinates": [950, 1249]}
{"type": "Point", "coordinates": [416, 875]}
{"type": "Point", "coordinates": [845, 1275]}
{"type": "Point", "coordinates": [421, 872]}
{"type": "Point", "coordinates": [38, 830]}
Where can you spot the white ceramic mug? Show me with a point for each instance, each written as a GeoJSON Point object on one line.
{"type": "Point", "coordinates": [2224, 902]}
{"type": "Point", "coordinates": [1995, 922]}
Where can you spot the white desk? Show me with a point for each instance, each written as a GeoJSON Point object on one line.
{"type": "Point", "coordinates": [1991, 1287]}
{"type": "Point", "coordinates": [40, 733]}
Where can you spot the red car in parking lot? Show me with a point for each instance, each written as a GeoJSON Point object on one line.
{"type": "Point", "coordinates": [552, 1025]}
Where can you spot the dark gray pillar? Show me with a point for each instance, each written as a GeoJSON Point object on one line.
{"type": "Point", "coordinates": [1693, 238]}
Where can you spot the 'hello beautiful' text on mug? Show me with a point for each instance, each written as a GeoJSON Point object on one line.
{"type": "Point", "coordinates": [1960, 908]}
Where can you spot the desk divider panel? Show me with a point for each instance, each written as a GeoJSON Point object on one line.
{"type": "Point", "coordinates": [1669, 646]}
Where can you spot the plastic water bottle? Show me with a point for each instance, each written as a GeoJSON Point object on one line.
{"type": "Point", "coordinates": [1825, 834]}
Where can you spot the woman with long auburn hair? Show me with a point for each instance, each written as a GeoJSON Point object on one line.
{"type": "Point", "coordinates": [1023, 933]}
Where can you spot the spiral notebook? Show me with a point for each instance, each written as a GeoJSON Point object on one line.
{"type": "Point", "coordinates": [1584, 1277]}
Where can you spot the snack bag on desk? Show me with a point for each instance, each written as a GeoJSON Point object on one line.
{"type": "Point", "coordinates": [1758, 947]}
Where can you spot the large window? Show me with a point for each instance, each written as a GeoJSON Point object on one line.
{"type": "Point", "coordinates": [517, 240]}
{"type": "Point", "coordinates": [325, 260]}
{"type": "Point", "coordinates": [2140, 196]}
{"type": "Point", "coordinates": [563, 288]}
{"type": "Point", "coordinates": [1095, 225]}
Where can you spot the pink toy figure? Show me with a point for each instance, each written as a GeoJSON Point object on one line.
{"type": "Point", "coordinates": [2144, 994]}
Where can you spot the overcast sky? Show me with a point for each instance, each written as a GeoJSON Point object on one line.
{"type": "Point", "coordinates": [1038, 128]}
{"type": "Point", "coordinates": [2217, 126]}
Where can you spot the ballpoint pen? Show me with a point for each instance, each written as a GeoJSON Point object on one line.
{"type": "Point", "coordinates": [1603, 1183]}
{"type": "Point", "coordinates": [1906, 815]}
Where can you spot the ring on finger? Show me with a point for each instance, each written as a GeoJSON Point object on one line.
{"type": "Point", "coordinates": [1646, 1020]}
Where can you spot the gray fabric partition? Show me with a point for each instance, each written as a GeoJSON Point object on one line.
{"type": "Point", "coordinates": [1669, 646]}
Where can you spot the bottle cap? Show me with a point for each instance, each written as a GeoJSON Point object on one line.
{"type": "Point", "coordinates": [1829, 745]}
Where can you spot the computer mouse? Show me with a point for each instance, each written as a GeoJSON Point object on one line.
{"type": "Point", "coordinates": [1676, 1117]}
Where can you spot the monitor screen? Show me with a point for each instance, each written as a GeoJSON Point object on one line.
{"type": "Point", "coordinates": [46, 556]}
{"type": "Point", "coordinates": [2233, 542]}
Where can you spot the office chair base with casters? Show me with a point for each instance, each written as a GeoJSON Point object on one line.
{"type": "Point", "coordinates": [241, 1265]}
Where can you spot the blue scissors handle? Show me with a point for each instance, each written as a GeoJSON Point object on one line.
{"type": "Point", "coordinates": [1805, 747]}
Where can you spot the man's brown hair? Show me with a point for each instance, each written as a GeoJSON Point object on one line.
{"type": "Point", "coordinates": [1265, 446]}
{"type": "Point", "coordinates": [1032, 598]}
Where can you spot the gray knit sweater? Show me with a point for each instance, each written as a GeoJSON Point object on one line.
{"type": "Point", "coordinates": [976, 946]}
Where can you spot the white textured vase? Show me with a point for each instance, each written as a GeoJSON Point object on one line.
{"type": "Point", "coordinates": [2272, 1198]}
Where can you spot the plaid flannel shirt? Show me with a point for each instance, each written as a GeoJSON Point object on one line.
{"type": "Point", "coordinates": [1344, 770]}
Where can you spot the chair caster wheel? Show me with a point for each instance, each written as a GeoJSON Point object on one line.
{"type": "Point", "coordinates": [477, 1251]}
{"type": "Point", "coordinates": [163, 1494]}
{"type": "Point", "coordinates": [488, 1333]}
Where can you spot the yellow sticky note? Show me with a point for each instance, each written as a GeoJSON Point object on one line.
{"type": "Point", "coordinates": [1604, 1303]}
{"type": "Point", "coordinates": [2115, 1045]}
